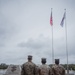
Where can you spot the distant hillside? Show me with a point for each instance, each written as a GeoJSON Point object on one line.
{"type": "Point", "coordinates": [3, 66]}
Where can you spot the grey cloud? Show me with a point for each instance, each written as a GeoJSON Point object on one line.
{"type": "Point", "coordinates": [31, 18]}
{"type": "Point", "coordinates": [7, 29]}
{"type": "Point", "coordinates": [45, 48]}
{"type": "Point", "coordinates": [35, 44]}
{"type": "Point", "coordinates": [2, 45]}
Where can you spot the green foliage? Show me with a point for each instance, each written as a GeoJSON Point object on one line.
{"type": "Point", "coordinates": [72, 67]}
{"type": "Point", "coordinates": [3, 66]}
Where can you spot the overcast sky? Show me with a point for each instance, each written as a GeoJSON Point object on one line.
{"type": "Point", "coordinates": [25, 30]}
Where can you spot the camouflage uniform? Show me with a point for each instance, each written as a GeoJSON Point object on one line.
{"type": "Point", "coordinates": [37, 70]}
{"type": "Point", "coordinates": [58, 70]}
{"type": "Point", "coordinates": [45, 70]}
{"type": "Point", "coordinates": [28, 68]}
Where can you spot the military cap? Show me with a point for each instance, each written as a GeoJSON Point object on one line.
{"type": "Point", "coordinates": [29, 56]}
{"type": "Point", "coordinates": [43, 59]}
{"type": "Point", "coordinates": [56, 59]}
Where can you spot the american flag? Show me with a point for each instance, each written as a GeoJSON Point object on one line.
{"type": "Point", "coordinates": [51, 19]}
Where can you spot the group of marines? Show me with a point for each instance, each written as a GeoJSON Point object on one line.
{"type": "Point", "coordinates": [29, 68]}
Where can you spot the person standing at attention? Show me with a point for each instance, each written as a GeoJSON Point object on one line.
{"type": "Point", "coordinates": [58, 69]}
{"type": "Point", "coordinates": [28, 68]}
{"type": "Point", "coordinates": [44, 68]}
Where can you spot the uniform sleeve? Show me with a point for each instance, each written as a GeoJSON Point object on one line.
{"type": "Point", "coordinates": [37, 70]}
{"type": "Point", "coordinates": [34, 71]}
{"type": "Point", "coordinates": [53, 71]}
{"type": "Point", "coordinates": [63, 73]}
{"type": "Point", "coordinates": [50, 71]}
{"type": "Point", "coordinates": [22, 70]}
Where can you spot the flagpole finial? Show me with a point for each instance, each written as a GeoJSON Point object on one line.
{"type": "Point", "coordinates": [65, 9]}
{"type": "Point", "coordinates": [51, 8]}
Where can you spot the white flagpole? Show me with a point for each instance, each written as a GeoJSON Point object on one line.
{"type": "Point", "coordinates": [52, 41]}
{"type": "Point", "coordinates": [52, 47]}
{"type": "Point", "coordinates": [66, 43]}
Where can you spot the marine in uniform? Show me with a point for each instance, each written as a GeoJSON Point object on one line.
{"type": "Point", "coordinates": [37, 70]}
{"type": "Point", "coordinates": [28, 68]}
{"type": "Point", "coordinates": [44, 68]}
{"type": "Point", "coordinates": [58, 69]}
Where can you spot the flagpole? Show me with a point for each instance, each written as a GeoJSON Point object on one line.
{"type": "Point", "coordinates": [52, 47]}
{"type": "Point", "coordinates": [52, 41]}
{"type": "Point", "coordinates": [66, 44]}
